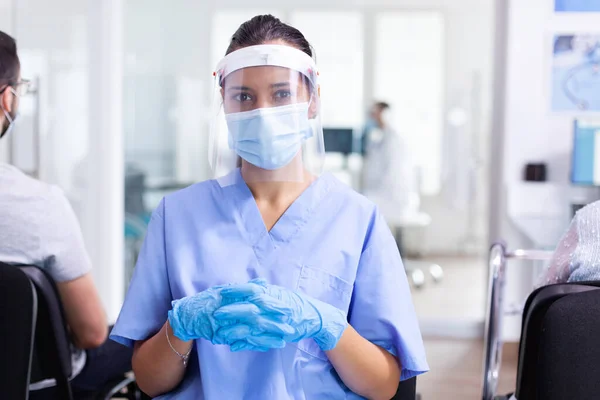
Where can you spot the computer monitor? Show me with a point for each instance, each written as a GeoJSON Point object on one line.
{"type": "Point", "coordinates": [338, 140]}
{"type": "Point", "coordinates": [585, 158]}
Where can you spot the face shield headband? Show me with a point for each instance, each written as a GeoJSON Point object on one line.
{"type": "Point", "coordinates": [267, 55]}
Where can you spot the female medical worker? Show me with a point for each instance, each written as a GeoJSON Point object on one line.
{"type": "Point", "coordinates": [331, 315]}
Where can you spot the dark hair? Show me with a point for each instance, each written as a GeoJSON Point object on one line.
{"type": "Point", "coordinates": [267, 28]}
{"type": "Point", "coordinates": [382, 105]}
{"type": "Point", "coordinates": [9, 61]}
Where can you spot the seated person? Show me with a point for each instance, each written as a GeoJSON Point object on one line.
{"type": "Point", "coordinates": [577, 256]}
{"type": "Point", "coordinates": [38, 227]}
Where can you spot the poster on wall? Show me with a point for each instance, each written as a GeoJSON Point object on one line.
{"type": "Point", "coordinates": [576, 73]}
{"type": "Point", "coordinates": [577, 5]}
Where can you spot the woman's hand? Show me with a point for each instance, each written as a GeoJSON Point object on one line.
{"type": "Point", "coordinates": [192, 317]}
{"type": "Point", "coordinates": [270, 312]}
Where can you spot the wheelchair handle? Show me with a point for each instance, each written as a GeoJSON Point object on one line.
{"type": "Point", "coordinates": [498, 257]}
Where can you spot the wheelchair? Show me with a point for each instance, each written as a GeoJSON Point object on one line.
{"type": "Point", "coordinates": [559, 354]}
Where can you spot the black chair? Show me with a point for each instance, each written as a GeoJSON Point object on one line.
{"type": "Point", "coordinates": [18, 315]}
{"type": "Point", "coordinates": [48, 347]}
{"type": "Point", "coordinates": [407, 390]}
{"type": "Point", "coordinates": [559, 356]}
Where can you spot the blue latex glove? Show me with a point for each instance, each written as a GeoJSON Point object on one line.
{"type": "Point", "coordinates": [272, 310]}
{"type": "Point", "coordinates": [260, 329]}
{"type": "Point", "coordinates": [192, 318]}
{"type": "Point", "coordinates": [242, 337]}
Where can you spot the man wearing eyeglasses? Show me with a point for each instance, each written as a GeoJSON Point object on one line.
{"type": "Point", "coordinates": [39, 227]}
{"type": "Point", "coordinates": [11, 88]}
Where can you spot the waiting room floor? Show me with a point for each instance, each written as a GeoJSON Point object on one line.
{"type": "Point", "coordinates": [456, 364]}
{"type": "Point", "coordinates": [456, 370]}
{"type": "Point", "coordinates": [460, 295]}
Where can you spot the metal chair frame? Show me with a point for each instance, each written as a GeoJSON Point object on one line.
{"type": "Point", "coordinates": [497, 261]}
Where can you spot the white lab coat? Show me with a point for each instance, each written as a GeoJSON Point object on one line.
{"type": "Point", "coordinates": [389, 175]}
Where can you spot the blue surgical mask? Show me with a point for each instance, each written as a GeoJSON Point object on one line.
{"type": "Point", "coordinates": [11, 123]}
{"type": "Point", "coordinates": [11, 119]}
{"type": "Point", "coordinates": [269, 138]}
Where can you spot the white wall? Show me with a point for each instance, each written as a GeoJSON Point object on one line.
{"type": "Point", "coordinates": [533, 134]}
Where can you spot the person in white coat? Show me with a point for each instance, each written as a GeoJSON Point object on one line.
{"type": "Point", "coordinates": [389, 175]}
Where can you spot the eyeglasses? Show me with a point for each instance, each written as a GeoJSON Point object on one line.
{"type": "Point", "coordinates": [23, 87]}
{"type": "Point", "coordinates": [20, 88]}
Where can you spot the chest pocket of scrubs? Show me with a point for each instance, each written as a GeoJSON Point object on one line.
{"type": "Point", "coordinates": [328, 288]}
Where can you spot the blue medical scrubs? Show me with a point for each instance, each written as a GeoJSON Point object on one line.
{"type": "Point", "coordinates": [576, 6]}
{"type": "Point", "coordinates": [331, 244]}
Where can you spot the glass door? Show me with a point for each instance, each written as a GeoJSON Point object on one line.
{"type": "Point", "coordinates": [166, 89]}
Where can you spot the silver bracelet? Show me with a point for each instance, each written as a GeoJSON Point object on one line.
{"type": "Point", "coordinates": [185, 357]}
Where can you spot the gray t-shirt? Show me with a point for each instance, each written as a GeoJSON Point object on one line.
{"type": "Point", "coordinates": [38, 227]}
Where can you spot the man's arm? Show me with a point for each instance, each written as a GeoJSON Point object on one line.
{"type": "Point", "coordinates": [83, 311]}
{"type": "Point", "coordinates": [67, 261]}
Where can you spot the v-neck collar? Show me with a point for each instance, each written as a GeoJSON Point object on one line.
{"type": "Point", "coordinates": [292, 220]}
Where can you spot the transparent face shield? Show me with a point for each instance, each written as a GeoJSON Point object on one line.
{"type": "Point", "coordinates": [266, 116]}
